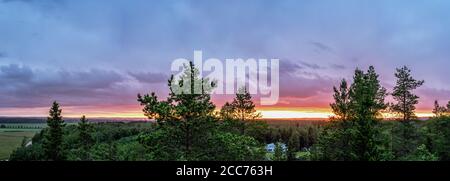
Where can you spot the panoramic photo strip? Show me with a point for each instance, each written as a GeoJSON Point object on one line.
{"type": "Point", "coordinates": [224, 88]}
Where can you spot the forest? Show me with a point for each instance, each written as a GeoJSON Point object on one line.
{"type": "Point", "coordinates": [188, 127]}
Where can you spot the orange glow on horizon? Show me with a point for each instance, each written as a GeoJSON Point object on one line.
{"type": "Point", "coordinates": [135, 112]}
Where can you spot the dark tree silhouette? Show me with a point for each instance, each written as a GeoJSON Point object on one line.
{"type": "Point", "coordinates": [341, 97]}
{"type": "Point", "coordinates": [355, 139]}
{"type": "Point", "coordinates": [406, 100]}
{"type": "Point", "coordinates": [438, 110]}
{"type": "Point", "coordinates": [54, 135]}
{"type": "Point", "coordinates": [188, 110]}
{"type": "Point", "coordinates": [242, 109]}
{"type": "Point", "coordinates": [86, 140]}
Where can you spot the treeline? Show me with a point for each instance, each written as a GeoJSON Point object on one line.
{"type": "Point", "coordinates": [7, 120]}
{"type": "Point", "coordinates": [188, 128]}
{"type": "Point", "coordinates": [358, 133]}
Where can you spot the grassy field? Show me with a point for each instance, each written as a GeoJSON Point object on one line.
{"type": "Point", "coordinates": [10, 139]}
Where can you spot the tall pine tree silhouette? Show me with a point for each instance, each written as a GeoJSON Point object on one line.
{"type": "Point", "coordinates": [403, 94]}
{"type": "Point", "coordinates": [54, 136]}
{"type": "Point", "coordinates": [244, 108]}
{"type": "Point", "coordinates": [187, 113]}
{"type": "Point", "coordinates": [85, 137]}
{"type": "Point", "coordinates": [341, 97]}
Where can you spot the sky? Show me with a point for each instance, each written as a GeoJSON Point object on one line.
{"type": "Point", "coordinates": [95, 56]}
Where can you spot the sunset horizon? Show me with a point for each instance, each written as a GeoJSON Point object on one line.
{"type": "Point", "coordinates": [95, 64]}
{"type": "Point", "coordinates": [136, 113]}
{"type": "Point", "coordinates": [233, 89]}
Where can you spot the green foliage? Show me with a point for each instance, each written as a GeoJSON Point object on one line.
{"type": "Point", "coordinates": [422, 154]}
{"type": "Point", "coordinates": [122, 135]}
{"type": "Point", "coordinates": [334, 143]}
{"type": "Point", "coordinates": [240, 112]}
{"type": "Point", "coordinates": [437, 132]}
{"type": "Point", "coordinates": [366, 97]}
{"type": "Point", "coordinates": [234, 147]}
{"type": "Point", "coordinates": [54, 135]}
{"type": "Point", "coordinates": [129, 149]}
{"type": "Point", "coordinates": [293, 146]}
{"type": "Point", "coordinates": [163, 144]}
{"type": "Point", "coordinates": [438, 110]}
{"type": "Point", "coordinates": [406, 100]}
{"type": "Point", "coordinates": [341, 106]}
{"type": "Point", "coordinates": [356, 137]}
{"type": "Point", "coordinates": [279, 153]}
{"type": "Point", "coordinates": [30, 153]}
{"type": "Point", "coordinates": [104, 152]}
{"type": "Point", "coordinates": [187, 127]}
{"type": "Point", "coordinates": [85, 138]}
{"type": "Point", "coordinates": [405, 139]}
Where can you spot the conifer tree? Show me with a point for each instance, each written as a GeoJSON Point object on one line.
{"type": "Point", "coordinates": [279, 153]}
{"type": "Point", "coordinates": [448, 107]}
{"type": "Point", "coordinates": [341, 97]}
{"type": "Point", "coordinates": [187, 114]}
{"type": "Point", "coordinates": [53, 138]}
{"type": "Point", "coordinates": [367, 95]}
{"type": "Point", "coordinates": [403, 94]}
{"type": "Point", "coordinates": [293, 145]}
{"type": "Point", "coordinates": [227, 112]}
{"type": "Point", "coordinates": [86, 140]}
{"type": "Point", "coordinates": [356, 138]}
{"type": "Point", "coordinates": [366, 103]}
{"type": "Point", "coordinates": [438, 110]}
{"type": "Point", "coordinates": [244, 108]}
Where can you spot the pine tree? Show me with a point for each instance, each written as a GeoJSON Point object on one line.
{"type": "Point", "coordinates": [341, 97]}
{"type": "Point", "coordinates": [406, 100]}
{"type": "Point", "coordinates": [448, 107]}
{"type": "Point", "coordinates": [279, 153]}
{"type": "Point", "coordinates": [438, 110]}
{"type": "Point", "coordinates": [244, 108]}
{"type": "Point", "coordinates": [54, 136]}
{"type": "Point", "coordinates": [86, 140]}
{"type": "Point", "coordinates": [187, 114]}
{"type": "Point", "coordinates": [358, 137]}
{"type": "Point", "coordinates": [227, 111]}
{"type": "Point", "coordinates": [293, 145]}
{"type": "Point", "coordinates": [367, 96]}
{"type": "Point", "coordinates": [366, 103]}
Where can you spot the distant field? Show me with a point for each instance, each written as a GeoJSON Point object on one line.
{"type": "Point", "coordinates": [10, 139]}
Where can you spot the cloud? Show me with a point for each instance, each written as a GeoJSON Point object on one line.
{"type": "Point", "coordinates": [311, 65]}
{"type": "Point", "coordinates": [140, 36]}
{"type": "Point", "coordinates": [287, 67]}
{"type": "Point", "coordinates": [22, 86]}
{"type": "Point", "coordinates": [304, 84]}
{"type": "Point", "coordinates": [428, 95]}
{"type": "Point", "coordinates": [321, 47]}
{"type": "Point", "coordinates": [14, 73]}
{"type": "Point", "coordinates": [149, 77]}
{"type": "Point", "coordinates": [337, 66]}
